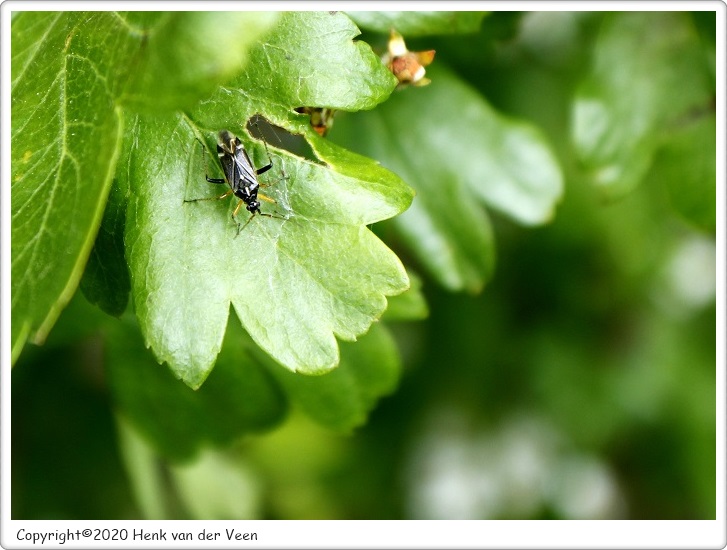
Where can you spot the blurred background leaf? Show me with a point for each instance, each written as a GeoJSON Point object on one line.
{"type": "Point", "coordinates": [179, 63]}
{"type": "Point", "coordinates": [179, 421]}
{"type": "Point", "coordinates": [455, 150]}
{"type": "Point", "coordinates": [422, 23]}
{"type": "Point", "coordinates": [635, 91]}
{"type": "Point", "coordinates": [342, 399]}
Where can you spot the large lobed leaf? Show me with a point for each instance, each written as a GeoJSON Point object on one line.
{"type": "Point", "coordinates": [296, 281]}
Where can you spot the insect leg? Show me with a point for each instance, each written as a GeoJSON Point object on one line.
{"type": "Point", "coordinates": [211, 198]}
{"type": "Point", "coordinates": [273, 201]}
{"type": "Point", "coordinates": [264, 169]}
{"type": "Point", "coordinates": [234, 217]}
{"type": "Point", "coordinates": [240, 228]}
{"type": "Point", "coordinates": [266, 198]}
{"type": "Point", "coordinates": [237, 209]}
{"type": "Point", "coordinates": [204, 161]}
{"type": "Point", "coordinates": [269, 165]}
{"type": "Point", "coordinates": [272, 216]}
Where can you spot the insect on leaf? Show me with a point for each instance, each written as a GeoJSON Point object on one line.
{"type": "Point", "coordinates": [296, 281]}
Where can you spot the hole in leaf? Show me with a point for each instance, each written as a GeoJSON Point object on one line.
{"type": "Point", "coordinates": [259, 127]}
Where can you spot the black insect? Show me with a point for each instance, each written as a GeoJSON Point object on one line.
{"type": "Point", "coordinates": [241, 176]}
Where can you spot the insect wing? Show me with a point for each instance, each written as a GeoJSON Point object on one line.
{"type": "Point", "coordinates": [227, 160]}
{"type": "Point", "coordinates": [244, 173]}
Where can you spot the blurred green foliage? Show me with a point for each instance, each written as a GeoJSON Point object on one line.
{"type": "Point", "coordinates": [576, 379]}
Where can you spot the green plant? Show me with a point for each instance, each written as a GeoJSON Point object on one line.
{"type": "Point", "coordinates": [111, 113]}
{"type": "Point", "coordinates": [293, 285]}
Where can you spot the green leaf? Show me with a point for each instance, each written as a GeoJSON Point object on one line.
{"type": "Point", "coordinates": [211, 485]}
{"type": "Point", "coordinates": [171, 77]}
{"type": "Point", "coordinates": [70, 72]}
{"type": "Point", "coordinates": [636, 90]}
{"type": "Point", "coordinates": [65, 140]}
{"type": "Point", "coordinates": [240, 398]}
{"type": "Point", "coordinates": [419, 23]}
{"type": "Point", "coordinates": [188, 54]}
{"type": "Point", "coordinates": [85, 61]}
{"type": "Point", "coordinates": [342, 398]}
{"type": "Point", "coordinates": [410, 305]}
{"type": "Point", "coordinates": [294, 281]}
{"type": "Point", "coordinates": [449, 144]}
{"type": "Point", "coordinates": [146, 478]}
{"type": "Point", "coordinates": [687, 165]}
{"type": "Point", "coordinates": [216, 487]}
{"type": "Point", "coordinates": [298, 65]}
{"type": "Point", "coordinates": [105, 280]}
